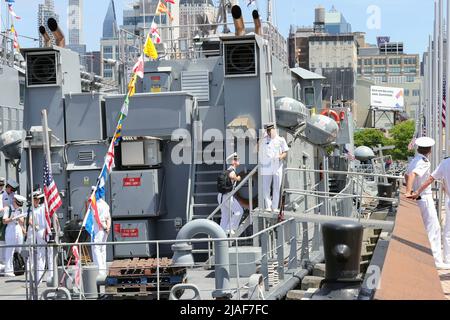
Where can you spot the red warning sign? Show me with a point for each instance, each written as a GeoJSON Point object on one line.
{"type": "Point", "coordinates": [129, 233]}
{"type": "Point", "coordinates": [131, 182]}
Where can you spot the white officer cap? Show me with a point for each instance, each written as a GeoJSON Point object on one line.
{"type": "Point", "coordinates": [12, 183]}
{"type": "Point", "coordinates": [425, 142]}
{"type": "Point", "coordinates": [38, 194]}
{"type": "Point", "coordinates": [20, 199]}
{"type": "Point", "coordinates": [233, 156]}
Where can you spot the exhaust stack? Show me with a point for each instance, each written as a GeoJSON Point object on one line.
{"type": "Point", "coordinates": [257, 21]}
{"type": "Point", "coordinates": [236, 12]}
{"type": "Point", "coordinates": [44, 34]}
{"type": "Point", "coordinates": [59, 35]}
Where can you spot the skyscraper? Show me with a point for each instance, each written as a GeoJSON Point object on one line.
{"type": "Point", "coordinates": [335, 23]}
{"type": "Point", "coordinates": [195, 12]}
{"type": "Point", "coordinates": [110, 29]}
{"type": "Point", "coordinates": [75, 22]}
{"type": "Point", "coordinates": [45, 12]}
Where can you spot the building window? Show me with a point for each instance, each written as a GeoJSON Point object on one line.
{"type": "Point", "coordinates": [410, 79]}
{"type": "Point", "coordinates": [313, 65]}
{"type": "Point", "coordinates": [410, 69]}
{"type": "Point", "coordinates": [367, 70]}
{"type": "Point", "coordinates": [327, 64]}
{"type": "Point", "coordinates": [394, 69]}
{"type": "Point", "coordinates": [309, 96]}
{"type": "Point", "coordinates": [107, 73]}
{"type": "Point", "coordinates": [380, 70]}
{"type": "Point", "coordinates": [406, 91]}
{"type": "Point", "coordinates": [416, 93]}
{"type": "Point", "coordinates": [107, 52]}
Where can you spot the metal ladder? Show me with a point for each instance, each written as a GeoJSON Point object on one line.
{"type": "Point", "coordinates": [205, 193]}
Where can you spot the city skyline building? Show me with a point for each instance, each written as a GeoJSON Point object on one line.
{"type": "Point", "coordinates": [46, 11]}
{"type": "Point", "coordinates": [75, 22]}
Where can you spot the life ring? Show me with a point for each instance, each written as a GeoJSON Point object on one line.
{"type": "Point", "coordinates": [332, 114]}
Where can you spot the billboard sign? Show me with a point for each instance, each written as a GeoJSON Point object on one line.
{"type": "Point", "coordinates": [383, 40]}
{"type": "Point", "coordinates": [386, 98]}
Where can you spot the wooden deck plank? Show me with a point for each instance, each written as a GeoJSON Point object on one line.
{"type": "Point", "coordinates": [409, 272]}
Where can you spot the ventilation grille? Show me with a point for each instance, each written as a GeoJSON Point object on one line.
{"type": "Point", "coordinates": [41, 69]}
{"type": "Point", "coordinates": [240, 59]}
{"type": "Point", "coordinates": [86, 156]}
{"type": "Point", "coordinates": [196, 83]}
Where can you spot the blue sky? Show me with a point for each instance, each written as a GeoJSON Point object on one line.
{"type": "Point", "coordinates": [410, 21]}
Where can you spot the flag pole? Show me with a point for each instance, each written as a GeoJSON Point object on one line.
{"type": "Point", "coordinates": [447, 84]}
{"type": "Point", "coordinates": [34, 220]}
{"type": "Point", "coordinates": [46, 147]}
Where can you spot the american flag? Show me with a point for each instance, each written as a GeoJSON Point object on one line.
{"type": "Point", "coordinates": [52, 199]}
{"type": "Point", "coordinates": [444, 105]}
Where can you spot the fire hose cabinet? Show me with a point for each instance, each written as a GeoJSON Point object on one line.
{"type": "Point", "coordinates": [133, 230]}
{"type": "Point", "coordinates": [137, 193]}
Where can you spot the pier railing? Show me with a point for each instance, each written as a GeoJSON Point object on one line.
{"type": "Point", "coordinates": [283, 251]}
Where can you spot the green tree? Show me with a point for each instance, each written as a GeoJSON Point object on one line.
{"type": "Point", "coordinates": [402, 135]}
{"type": "Point", "coordinates": [370, 138]}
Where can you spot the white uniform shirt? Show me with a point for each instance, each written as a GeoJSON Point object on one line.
{"type": "Point", "coordinates": [9, 214]}
{"type": "Point", "coordinates": [271, 150]}
{"type": "Point", "coordinates": [443, 173]}
{"type": "Point", "coordinates": [39, 219]}
{"type": "Point", "coordinates": [103, 213]}
{"type": "Point", "coordinates": [420, 165]}
{"type": "Point", "coordinates": [8, 199]}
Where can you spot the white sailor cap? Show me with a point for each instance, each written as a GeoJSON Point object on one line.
{"type": "Point", "coordinates": [425, 142]}
{"type": "Point", "coordinates": [2, 180]}
{"type": "Point", "coordinates": [19, 199]}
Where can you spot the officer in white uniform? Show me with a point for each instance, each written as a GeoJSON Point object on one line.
{"type": "Point", "coordinates": [15, 231]}
{"type": "Point", "coordinates": [2, 242]}
{"type": "Point", "coordinates": [10, 191]}
{"type": "Point", "coordinates": [418, 173]}
{"type": "Point", "coordinates": [273, 152]}
{"type": "Point", "coordinates": [40, 225]}
{"type": "Point", "coordinates": [101, 233]}
{"type": "Point", "coordinates": [231, 211]}
{"type": "Point", "coordinates": [441, 173]}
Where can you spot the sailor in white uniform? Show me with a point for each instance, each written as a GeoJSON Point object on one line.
{"type": "Point", "coordinates": [101, 233]}
{"type": "Point", "coordinates": [15, 231]}
{"type": "Point", "coordinates": [441, 173]}
{"type": "Point", "coordinates": [231, 211]}
{"type": "Point", "coordinates": [273, 151]}
{"type": "Point", "coordinates": [39, 223]}
{"type": "Point", "coordinates": [2, 241]}
{"type": "Point", "coordinates": [418, 173]}
{"type": "Point", "coordinates": [10, 191]}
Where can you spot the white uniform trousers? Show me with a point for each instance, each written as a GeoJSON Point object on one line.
{"type": "Point", "coordinates": [231, 212]}
{"type": "Point", "coordinates": [276, 189]}
{"type": "Point", "coordinates": [40, 239]}
{"type": "Point", "coordinates": [447, 233]}
{"type": "Point", "coordinates": [99, 251]}
{"type": "Point", "coordinates": [2, 252]}
{"type": "Point", "coordinates": [432, 225]}
{"type": "Point", "coordinates": [13, 235]}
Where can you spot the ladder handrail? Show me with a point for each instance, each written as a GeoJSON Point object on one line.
{"type": "Point", "coordinates": [192, 168]}
{"type": "Point", "coordinates": [239, 187]}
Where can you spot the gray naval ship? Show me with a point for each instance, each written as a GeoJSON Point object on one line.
{"type": "Point", "coordinates": [194, 107]}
